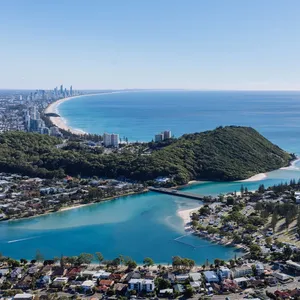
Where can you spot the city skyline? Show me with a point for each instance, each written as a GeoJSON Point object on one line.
{"type": "Point", "coordinates": [197, 45]}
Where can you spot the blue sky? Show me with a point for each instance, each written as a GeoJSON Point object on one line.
{"type": "Point", "coordinates": [112, 44]}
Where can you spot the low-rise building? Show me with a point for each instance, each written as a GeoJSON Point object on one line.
{"type": "Point", "coordinates": [24, 296]}
{"type": "Point", "coordinates": [211, 276]}
{"type": "Point", "coordinates": [242, 271]}
{"type": "Point", "coordinates": [141, 285]}
{"type": "Point", "coordinates": [224, 273]}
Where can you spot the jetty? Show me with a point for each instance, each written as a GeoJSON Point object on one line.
{"type": "Point", "coordinates": [177, 193]}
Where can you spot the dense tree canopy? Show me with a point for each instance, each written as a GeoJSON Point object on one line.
{"type": "Point", "coordinates": [229, 153]}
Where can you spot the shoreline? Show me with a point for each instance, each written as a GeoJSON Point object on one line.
{"type": "Point", "coordinates": [60, 122]}
{"type": "Point", "coordinates": [292, 165]}
{"type": "Point", "coordinates": [74, 206]}
{"type": "Point", "coordinates": [185, 214]}
{"type": "Point", "coordinates": [257, 177]}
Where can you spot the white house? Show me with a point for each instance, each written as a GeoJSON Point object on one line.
{"type": "Point", "coordinates": [224, 272]}
{"type": "Point", "coordinates": [242, 271]}
{"type": "Point", "coordinates": [23, 296]}
{"type": "Point", "coordinates": [141, 285]}
{"type": "Point", "coordinates": [297, 196]}
{"type": "Point", "coordinates": [62, 280]}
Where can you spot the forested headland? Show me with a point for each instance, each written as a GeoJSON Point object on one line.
{"type": "Point", "coordinates": [226, 153]}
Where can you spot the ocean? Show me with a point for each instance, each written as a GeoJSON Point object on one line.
{"type": "Point", "coordinates": [140, 115]}
{"type": "Point", "coordinates": [147, 224]}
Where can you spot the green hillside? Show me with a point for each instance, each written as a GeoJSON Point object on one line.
{"type": "Point", "coordinates": [229, 153]}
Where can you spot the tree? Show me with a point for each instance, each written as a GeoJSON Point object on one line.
{"type": "Point", "coordinates": [116, 262]}
{"type": "Point", "coordinates": [242, 190]}
{"type": "Point", "coordinates": [261, 189]}
{"type": "Point", "coordinates": [131, 264]}
{"type": "Point", "coordinates": [148, 262]}
{"type": "Point", "coordinates": [287, 252]}
{"type": "Point", "coordinates": [13, 263]}
{"type": "Point", "coordinates": [99, 257]}
{"type": "Point", "coordinates": [176, 261]}
{"type": "Point", "coordinates": [274, 220]}
{"type": "Point", "coordinates": [268, 241]}
{"type": "Point", "coordinates": [162, 283]}
{"type": "Point", "coordinates": [230, 200]}
{"type": "Point", "coordinates": [255, 251]}
{"type": "Point", "coordinates": [217, 262]}
{"type": "Point", "coordinates": [189, 291]}
{"type": "Point", "coordinates": [23, 261]}
{"type": "Point", "coordinates": [38, 256]}
{"type": "Point", "coordinates": [298, 223]}
{"type": "Point", "coordinates": [85, 258]}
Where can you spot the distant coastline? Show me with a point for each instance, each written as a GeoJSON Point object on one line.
{"type": "Point", "coordinates": [61, 122]}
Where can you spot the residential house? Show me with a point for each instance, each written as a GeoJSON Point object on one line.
{"type": "Point", "coordinates": [165, 293]}
{"type": "Point", "coordinates": [106, 282]}
{"type": "Point", "coordinates": [87, 285]}
{"type": "Point", "coordinates": [241, 282]}
{"type": "Point", "coordinates": [195, 276]}
{"type": "Point", "coordinates": [3, 272]}
{"type": "Point", "coordinates": [211, 276]}
{"type": "Point", "coordinates": [43, 281]}
{"type": "Point", "coordinates": [33, 270]}
{"type": "Point", "coordinates": [16, 273]}
{"type": "Point", "coordinates": [72, 273]}
{"type": "Point", "coordinates": [59, 282]}
{"type": "Point", "coordinates": [182, 277]}
{"type": "Point", "coordinates": [179, 288]}
{"type": "Point", "coordinates": [116, 277]}
{"type": "Point", "coordinates": [25, 283]}
{"type": "Point", "coordinates": [242, 271]}
{"type": "Point", "coordinates": [141, 285]}
{"type": "Point", "coordinates": [133, 275]}
{"type": "Point", "coordinates": [224, 273]}
{"type": "Point", "coordinates": [24, 296]}
{"type": "Point", "coordinates": [58, 271]}
{"type": "Point", "coordinates": [260, 269]}
{"type": "Point", "coordinates": [120, 288]}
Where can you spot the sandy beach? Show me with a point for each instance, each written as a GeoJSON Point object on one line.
{"type": "Point", "coordinates": [256, 177]}
{"type": "Point", "coordinates": [185, 214]}
{"type": "Point", "coordinates": [292, 166]}
{"type": "Point", "coordinates": [59, 121]}
{"type": "Point", "coordinates": [74, 206]}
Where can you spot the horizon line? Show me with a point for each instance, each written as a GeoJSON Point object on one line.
{"type": "Point", "coordinates": [162, 89]}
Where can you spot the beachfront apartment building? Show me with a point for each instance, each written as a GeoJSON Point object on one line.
{"type": "Point", "coordinates": [165, 135]}
{"type": "Point", "coordinates": [159, 137]}
{"type": "Point", "coordinates": [141, 285]}
{"type": "Point", "coordinates": [111, 140]}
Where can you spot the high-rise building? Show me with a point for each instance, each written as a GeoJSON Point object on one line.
{"type": "Point", "coordinates": [54, 131]}
{"type": "Point", "coordinates": [107, 139]}
{"type": "Point", "coordinates": [44, 130]}
{"type": "Point", "coordinates": [167, 134]}
{"type": "Point", "coordinates": [71, 91]}
{"type": "Point", "coordinates": [110, 140]}
{"type": "Point", "coordinates": [61, 89]}
{"type": "Point", "coordinates": [115, 140]}
{"type": "Point", "coordinates": [159, 137]}
{"type": "Point", "coordinates": [34, 125]}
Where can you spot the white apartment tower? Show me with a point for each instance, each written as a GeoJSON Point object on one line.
{"type": "Point", "coordinates": [110, 140]}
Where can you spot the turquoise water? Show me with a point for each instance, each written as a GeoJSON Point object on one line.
{"type": "Point", "coordinates": [140, 115]}
{"type": "Point", "coordinates": [147, 224]}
